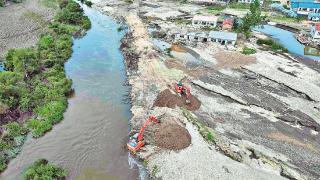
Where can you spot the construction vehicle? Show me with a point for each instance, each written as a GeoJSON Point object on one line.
{"type": "Point", "coordinates": [136, 142]}
{"type": "Point", "coordinates": [183, 90]}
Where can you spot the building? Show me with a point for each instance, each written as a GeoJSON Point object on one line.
{"type": "Point", "coordinates": [315, 32]}
{"type": "Point", "coordinates": [227, 24]}
{"type": "Point", "coordinates": [224, 38]}
{"type": "Point", "coordinates": [304, 7]}
{"type": "Point", "coordinates": [204, 21]}
{"type": "Point", "coordinates": [249, 1]}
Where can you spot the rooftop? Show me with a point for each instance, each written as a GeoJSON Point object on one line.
{"type": "Point", "coordinates": [223, 35]}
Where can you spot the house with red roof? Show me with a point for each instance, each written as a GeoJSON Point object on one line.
{"type": "Point", "coordinates": [315, 31]}
{"type": "Point", "coordinates": [227, 24]}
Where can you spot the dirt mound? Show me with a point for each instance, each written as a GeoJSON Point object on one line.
{"type": "Point", "coordinates": [172, 136]}
{"type": "Point", "coordinates": [167, 99]}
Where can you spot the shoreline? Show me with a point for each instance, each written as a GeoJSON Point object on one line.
{"type": "Point", "coordinates": [148, 76]}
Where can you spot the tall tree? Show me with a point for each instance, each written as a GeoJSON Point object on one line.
{"type": "Point", "coordinates": [252, 19]}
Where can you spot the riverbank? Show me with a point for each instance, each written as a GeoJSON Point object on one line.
{"type": "Point", "coordinates": [34, 87]}
{"type": "Point", "coordinates": [255, 120]}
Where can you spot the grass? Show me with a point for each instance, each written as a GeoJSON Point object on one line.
{"type": "Point", "coordinates": [215, 9]}
{"type": "Point", "coordinates": [235, 5]}
{"type": "Point", "coordinates": [154, 170]}
{"type": "Point", "coordinates": [206, 133]}
{"type": "Point", "coordinates": [283, 19]}
{"type": "Point", "coordinates": [35, 17]}
{"type": "Point", "coordinates": [248, 51]}
{"type": "Point", "coordinates": [50, 3]}
{"type": "Point", "coordinates": [273, 45]}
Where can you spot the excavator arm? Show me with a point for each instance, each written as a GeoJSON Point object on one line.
{"type": "Point", "coordinates": [146, 123]}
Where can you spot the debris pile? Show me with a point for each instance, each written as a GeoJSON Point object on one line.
{"type": "Point", "coordinates": [172, 136]}
{"type": "Point", "coordinates": [167, 99]}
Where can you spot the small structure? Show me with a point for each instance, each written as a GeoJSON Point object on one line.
{"type": "Point", "coordinates": [204, 21]}
{"type": "Point", "coordinates": [221, 37]}
{"type": "Point", "coordinates": [315, 32]}
{"type": "Point", "coordinates": [227, 24]}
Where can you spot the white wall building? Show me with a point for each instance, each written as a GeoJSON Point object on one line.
{"type": "Point", "coordinates": [225, 38]}
{"type": "Point", "coordinates": [204, 21]}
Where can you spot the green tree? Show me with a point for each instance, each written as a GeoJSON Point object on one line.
{"type": "Point", "coordinates": [252, 19]}
{"type": "Point", "coordinates": [42, 169]}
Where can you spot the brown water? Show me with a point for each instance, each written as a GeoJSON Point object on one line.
{"type": "Point", "coordinates": [90, 141]}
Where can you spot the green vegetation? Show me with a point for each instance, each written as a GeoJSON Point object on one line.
{"type": "Point", "coordinates": [35, 82]}
{"type": "Point", "coordinates": [284, 19]}
{"type": "Point", "coordinates": [248, 51]}
{"type": "Point", "coordinates": [236, 5]}
{"type": "Point", "coordinates": [216, 9]}
{"type": "Point", "coordinates": [2, 3]}
{"type": "Point", "coordinates": [252, 19]}
{"type": "Point", "coordinates": [35, 17]}
{"type": "Point", "coordinates": [206, 132]}
{"type": "Point", "coordinates": [42, 169]}
{"type": "Point", "coordinates": [154, 170]}
{"type": "Point", "coordinates": [272, 44]}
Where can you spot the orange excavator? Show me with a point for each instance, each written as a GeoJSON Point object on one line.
{"type": "Point", "coordinates": [183, 90]}
{"type": "Point", "coordinates": [136, 141]}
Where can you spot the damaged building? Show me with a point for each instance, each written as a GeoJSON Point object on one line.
{"type": "Point", "coordinates": [222, 37]}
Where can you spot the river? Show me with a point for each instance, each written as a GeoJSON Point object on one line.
{"type": "Point", "coordinates": [90, 141]}
{"type": "Point", "coordinates": [287, 39]}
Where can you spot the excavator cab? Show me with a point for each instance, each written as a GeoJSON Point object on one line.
{"type": "Point", "coordinates": [136, 141]}
{"type": "Point", "coordinates": [183, 90]}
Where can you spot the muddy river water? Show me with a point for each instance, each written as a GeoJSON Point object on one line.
{"type": "Point", "coordinates": [90, 141]}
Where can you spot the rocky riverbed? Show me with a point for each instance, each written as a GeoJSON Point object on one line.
{"type": "Point", "coordinates": [259, 116]}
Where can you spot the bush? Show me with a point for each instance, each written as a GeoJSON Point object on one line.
{"type": "Point", "coordinates": [52, 112]}
{"type": "Point", "coordinates": [2, 3]}
{"type": "Point", "coordinates": [248, 51]}
{"type": "Point", "coordinates": [14, 129]}
{"type": "Point", "coordinates": [88, 3]}
{"type": "Point", "coordinates": [272, 44]}
{"type": "Point", "coordinates": [38, 128]}
{"type": "Point", "coordinates": [42, 169]}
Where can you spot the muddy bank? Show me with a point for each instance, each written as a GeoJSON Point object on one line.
{"type": "Point", "coordinates": [23, 27]}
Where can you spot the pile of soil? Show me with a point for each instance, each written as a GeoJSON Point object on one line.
{"type": "Point", "coordinates": [167, 99]}
{"type": "Point", "coordinates": [172, 136]}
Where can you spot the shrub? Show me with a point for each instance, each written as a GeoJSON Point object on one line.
{"type": "Point", "coordinates": [14, 129]}
{"type": "Point", "coordinates": [3, 163]}
{"type": "Point", "coordinates": [2, 3]}
{"type": "Point", "coordinates": [88, 3]}
{"type": "Point", "coordinates": [52, 112]}
{"type": "Point", "coordinates": [42, 169]}
{"type": "Point", "coordinates": [248, 51]}
{"type": "Point", "coordinates": [38, 128]}
{"type": "Point", "coordinates": [86, 23]}
{"type": "Point", "coordinates": [12, 87]}
{"type": "Point", "coordinates": [272, 44]}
